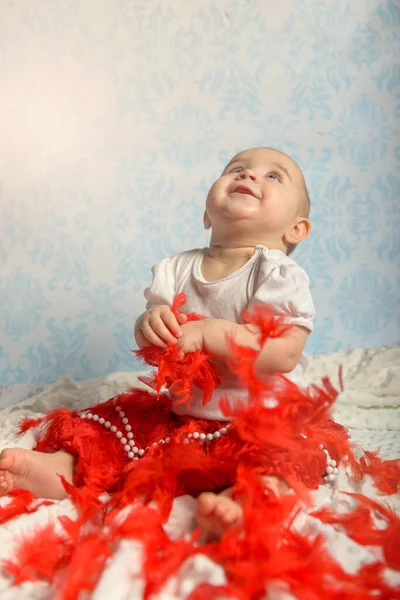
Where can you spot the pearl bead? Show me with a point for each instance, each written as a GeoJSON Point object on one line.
{"type": "Point", "coordinates": [329, 470]}
{"type": "Point", "coordinates": [331, 477]}
{"type": "Point", "coordinates": [134, 453]}
{"type": "Point", "coordinates": [332, 463]}
{"type": "Point", "coordinates": [335, 471]}
{"type": "Point", "coordinates": [326, 451]}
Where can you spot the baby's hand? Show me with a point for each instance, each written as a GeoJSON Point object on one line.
{"type": "Point", "coordinates": [159, 326]}
{"type": "Point", "coordinates": [192, 337]}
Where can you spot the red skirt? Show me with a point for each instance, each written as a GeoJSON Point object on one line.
{"type": "Point", "coordinates": [137, 432]}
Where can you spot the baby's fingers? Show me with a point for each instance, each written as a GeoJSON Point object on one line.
{"type": "Point", "coordinates": [172, 323]}
{"type": "Point", "coordinates": [181, 318]}
{"type": "Point", "coordinates": [151, 336]}
{"type": "Point", "coordinates": [162, 330]}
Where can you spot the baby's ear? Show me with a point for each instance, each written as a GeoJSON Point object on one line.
{"type": "Point", "coordinates": [206, 221]}
{"type": "Point", "coordinates": [299, 231]}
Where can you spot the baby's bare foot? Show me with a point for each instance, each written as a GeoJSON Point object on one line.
{"type": "Point", "coordinates": [218, 512]}
{"type": "Point", "coordinates": [35, 471]}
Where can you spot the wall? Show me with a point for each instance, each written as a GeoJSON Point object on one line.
{"type": "Point", "coordinates": [116, 115]}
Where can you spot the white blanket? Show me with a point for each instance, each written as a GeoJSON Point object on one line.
{"type": "Point", "coordinates": [369, 407]}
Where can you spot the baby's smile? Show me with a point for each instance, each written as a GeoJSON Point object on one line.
{"type": "Point", "coordinates": [244, 189]}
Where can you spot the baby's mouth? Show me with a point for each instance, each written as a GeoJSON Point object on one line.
{"type": "Point", "coordinates": [243, 189]}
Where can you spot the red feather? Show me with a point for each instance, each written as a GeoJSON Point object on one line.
{"type": "Point", "coordinates": [22, 502]}
{"type": "Point", "coordinates": [386, 474]}
{"type": "Point", "coordinates": [39, 560]}
{"type": "Point", "coordinates": [26, 424]}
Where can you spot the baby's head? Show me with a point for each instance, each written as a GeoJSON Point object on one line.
{"type": "Point", "coordinates": [260, 198]}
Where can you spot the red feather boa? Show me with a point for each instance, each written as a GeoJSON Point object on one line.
{"type": "Point", "coordinates": [267, 553]}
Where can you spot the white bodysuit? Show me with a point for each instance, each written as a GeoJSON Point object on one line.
{"type": "Point", "coordinates": [269, 276]}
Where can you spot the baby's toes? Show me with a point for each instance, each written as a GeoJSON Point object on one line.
{"type": "Point", "coordinates": [206, 503]}
{"type": "Point", "coordinates": [221, 509]}
{"type": "Point", "coordinates": [231, 515]}
{"type": "Point", "coordinates": [6, 460]}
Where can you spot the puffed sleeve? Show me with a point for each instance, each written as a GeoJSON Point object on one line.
{"type": "Point", "coordinates": [286, 288]}
{"type": "Point", "coordinates": [162, 289]}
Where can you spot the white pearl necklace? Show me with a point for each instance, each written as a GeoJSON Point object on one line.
{"type": "Point", "coordinates": [134, 453]}
{"type": "Point", "coordinates": [129, 444]}
{"type": "Point", "coordinates": [332, 470]}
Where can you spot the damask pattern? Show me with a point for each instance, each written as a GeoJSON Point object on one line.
{"type": "Point", "coordinates": [116, 116]}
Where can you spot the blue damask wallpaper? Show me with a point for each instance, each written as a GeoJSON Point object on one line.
{"type": "Point", "coordinates": [115, 117]}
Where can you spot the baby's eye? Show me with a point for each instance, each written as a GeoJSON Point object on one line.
{"type": "Point", "coordinates": [273, 175]}
{"type": "Point", "coordinates": [237, 170]}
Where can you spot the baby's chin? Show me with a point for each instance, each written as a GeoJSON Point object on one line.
{"type": "Point", "coordinates": [241, 206]}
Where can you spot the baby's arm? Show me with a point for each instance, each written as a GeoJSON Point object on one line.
{"type": "Point", "coordinates": [279, 355]}
{"type": "Point", "coordinates": [284, 287]}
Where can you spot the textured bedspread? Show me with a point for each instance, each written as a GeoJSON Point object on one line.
{"type": "Point", "coordinates": [369, 407]}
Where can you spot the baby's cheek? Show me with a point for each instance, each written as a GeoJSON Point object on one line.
{"type": "Point", "coordinates": [216, 193]}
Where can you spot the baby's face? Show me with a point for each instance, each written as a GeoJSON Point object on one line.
{"type": "Point", "coordinates": [260, 190]}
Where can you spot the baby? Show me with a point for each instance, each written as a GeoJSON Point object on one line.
{"type": "Point", "coordinates": [257, 211]}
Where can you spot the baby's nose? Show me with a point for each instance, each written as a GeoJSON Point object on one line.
{"type": "Point", "coordinates": [248, 173]}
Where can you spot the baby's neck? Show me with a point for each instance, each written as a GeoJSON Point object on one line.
{"type": "Point", "coordinates": [228, 255]}
{"type": "Point", "coordinates": [233, 247]}
{"type": "Point", "coordinates": [219, 262]}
